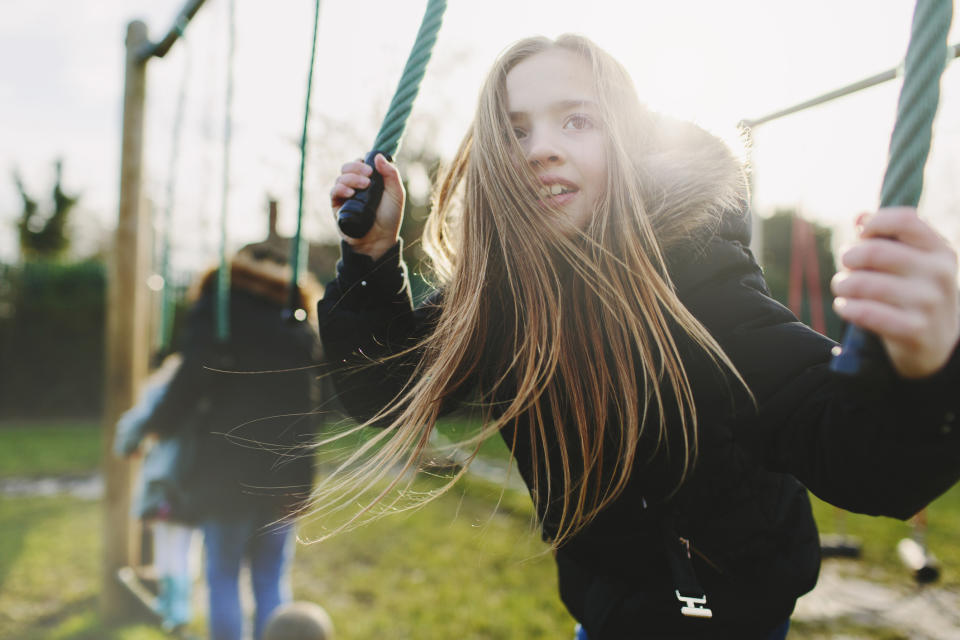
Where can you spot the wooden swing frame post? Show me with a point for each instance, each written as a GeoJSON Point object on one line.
{"type": "Point", "coordinates": [128, 303]}
{"type": "Point", "coordinates": [127, 341]}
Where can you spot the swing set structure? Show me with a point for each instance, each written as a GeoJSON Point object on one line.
{"type": "Point", "coordinates": [128, 342]}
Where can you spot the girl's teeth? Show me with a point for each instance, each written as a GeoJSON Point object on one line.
{"type": "Point", "coordinates": [552, 190]}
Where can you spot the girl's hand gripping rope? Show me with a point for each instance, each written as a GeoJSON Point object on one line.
{"type": "Point", "coordinates": [355, 177]}
{"type": "Point", "coordinates": [900, 282]}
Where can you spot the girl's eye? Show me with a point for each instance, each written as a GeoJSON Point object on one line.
{"type": "Point", "coordinates": [578, 122]}
{"type": "Point", "coordinates": [519, 133]}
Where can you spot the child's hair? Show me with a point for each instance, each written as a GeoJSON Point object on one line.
{"type": "Point", "coordinates": [299, 621]}
{"type": "Point", "coordinates": [572, 331]}
{"type": "Point", "coordinates": [265, 274]}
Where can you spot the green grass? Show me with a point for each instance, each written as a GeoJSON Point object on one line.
{"type": "Point", "coordinates": [33, 448]}
{"type": "Point", "coordinates": [451, 429]}
{"type": "Point", "coordinates": [453, 569]}
{"type": "Point", "coordinates": [40, 448]}
{"type": "Point", "coordinates": [465, 566]}
{"type": "Point", "coordinates": [49, 572]}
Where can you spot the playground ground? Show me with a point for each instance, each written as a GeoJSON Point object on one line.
{"type": "Point", "coordinates": [453, 567]}
{"type": "Point", "coordinates": [846, 598]}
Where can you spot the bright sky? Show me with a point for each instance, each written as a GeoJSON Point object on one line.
{"type": "Point", "coordinates": [61, 70]}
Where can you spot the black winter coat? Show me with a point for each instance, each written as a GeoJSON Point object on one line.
{"type": "Point", "coordinates": [247, 401]}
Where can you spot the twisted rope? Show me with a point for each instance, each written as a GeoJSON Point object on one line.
{"type": "Point", "coordinates": [394, 122]}
{"type": "Point", "coordinates": [917, 106]}
{"type": "Point", "coordinates": [222, 316]}
{"type": "Point", "coordinates": [165, 326]}
{"type": "Point", "coordinates": [909, 146]}
{"type": "Point", "coordinates": [298, 257]}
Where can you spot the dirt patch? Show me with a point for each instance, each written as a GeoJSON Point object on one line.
{"type": "Point", "coordinates": [921, 613]}
{"type": "Point", "coordinates": [86, 487]}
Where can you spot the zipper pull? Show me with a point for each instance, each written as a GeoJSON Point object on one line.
{"type": "Point", "coordinates": [692, 607]}
{"type": "Point", "coordinates": [686, 586]}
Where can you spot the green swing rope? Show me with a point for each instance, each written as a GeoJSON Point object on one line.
{"type": "Point", "coordinates": [909, 146]}
{"type": "Point", "coordinates": [223, 273]}
{"type": "Point", "coordinates": [298, 250]}
{"type": "Point", "coordinates": [165, 328]}
{"type": "Point", "coordinates": [910, 141]}
{"type": "Point", "coordinates": [388, 138]}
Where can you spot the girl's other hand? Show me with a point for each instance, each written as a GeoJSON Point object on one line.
{"type": "Point", "coordinates": [900, 282]}
{"type": "Point", "coordinates": [355, 176]}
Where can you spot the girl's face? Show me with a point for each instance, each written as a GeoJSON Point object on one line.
{"type": "Point", "coordinates": [555, 114]}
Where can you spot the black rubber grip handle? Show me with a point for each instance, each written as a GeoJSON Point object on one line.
{"type": "Point", "coordinates": [357, 214]}
{"type": "Point", "coordinates": [859, 352]}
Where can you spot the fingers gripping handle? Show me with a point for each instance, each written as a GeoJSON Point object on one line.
{"type": "Point", "coordinates": [357, 214]}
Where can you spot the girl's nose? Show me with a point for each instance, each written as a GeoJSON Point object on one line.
{"type": "Point", "coordinates": [543, 151]}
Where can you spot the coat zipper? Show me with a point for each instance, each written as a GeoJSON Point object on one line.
{"type": "Point", "coordinates": [687, 589]}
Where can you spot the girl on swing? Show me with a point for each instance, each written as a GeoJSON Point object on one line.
{"type": "Point", "coordinates": [599, 301]}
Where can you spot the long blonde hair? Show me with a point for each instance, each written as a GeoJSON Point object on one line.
{"type": "Point", "coordinates": [571, 336]}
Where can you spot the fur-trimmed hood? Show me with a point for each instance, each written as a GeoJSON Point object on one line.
{"type": "Point", "coordinates": [696, 187]}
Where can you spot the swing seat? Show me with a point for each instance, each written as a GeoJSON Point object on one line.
{"type": "Point", "coordinates": [142, 585]}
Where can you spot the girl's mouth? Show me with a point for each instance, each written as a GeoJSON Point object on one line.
{"type": "Point", "coordinates": [557, 193]}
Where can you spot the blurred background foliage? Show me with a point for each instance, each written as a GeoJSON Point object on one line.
{"type": "Point", "coordinates": [52, 308]}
